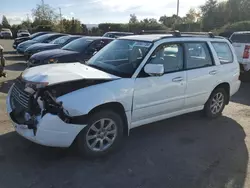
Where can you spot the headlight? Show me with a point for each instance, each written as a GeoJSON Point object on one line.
{"type": "Point", "coordinates": [52, 60]}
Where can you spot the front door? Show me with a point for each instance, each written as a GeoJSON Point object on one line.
{"type": "Point", "coordinates": [157, 96]}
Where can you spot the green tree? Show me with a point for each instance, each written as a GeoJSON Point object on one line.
{"type": "Point", "coordinates": [170, 21]}
{"type": "Point", "coordinates": [191, 17]}
{"type": "Point", "coordinates": [208, 14]}
{"type": "Point", "coordinates": [95, 31]}
{"type": "Point", "coordinates": [5, 22]}
{"type": "Point", "coordinates": [44, 14]}
{"type": "Point", "coordinates": [133, 18]}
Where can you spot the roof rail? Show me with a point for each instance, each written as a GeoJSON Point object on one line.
{"type": "Point", "coordinates": [174, 33]}
{"type": "Point", "coordinates": [210, 34]}
{"type": "Point", "coordinates": [177, 33]}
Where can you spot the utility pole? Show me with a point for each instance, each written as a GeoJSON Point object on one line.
{"type": "Point", "coordinates": [43, 9]}
{"type": "Point", "coordinates": [178, 7]}
{"type": "Point", "coordinates": [61, 24]}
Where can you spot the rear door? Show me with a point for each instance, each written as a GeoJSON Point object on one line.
{"type": "Point", "coordinates": [240, 41]}
{"type": "Point", "coordinates": [201, 73]}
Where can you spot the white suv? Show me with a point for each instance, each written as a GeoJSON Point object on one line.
{"type": "Point", "coordinates": [133, 81]}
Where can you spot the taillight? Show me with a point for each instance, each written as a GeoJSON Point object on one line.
{"type": "Point", "coordinates": [246, 52]}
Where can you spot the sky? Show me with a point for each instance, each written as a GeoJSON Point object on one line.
{"type": "Point", "coordinates": [98, 11]}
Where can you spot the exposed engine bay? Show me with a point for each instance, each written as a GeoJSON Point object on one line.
{"type": "Point", "coordinates": [30, 102]}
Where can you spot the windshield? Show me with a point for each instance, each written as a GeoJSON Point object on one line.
{"type": "Point", "coordinates": [35, 35]}
{"type": "Point", "coordinates": [121, 57]}
{"type": "Point", "coordinates": [78, 45]}
{"type": "Point", "coordinates": [241, 38]}
{"type": "Point", "coordinates": [42, 38]}
{"type": "Point", "coordinates": [60, 40]}
{"type": "Point", "coordinates": [20, 31]}
{"type": "Point", "coordinates": [115, 35]}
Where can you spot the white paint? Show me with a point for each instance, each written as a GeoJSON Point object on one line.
{"type": "Point", "coordinates": [62, 72]}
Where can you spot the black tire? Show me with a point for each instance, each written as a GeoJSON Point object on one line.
{"type": "Point", "coordinates": [207, 108]}
{"type": "Point", "coordinates": [82, 140]}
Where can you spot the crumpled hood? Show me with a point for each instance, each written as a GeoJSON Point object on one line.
{"type": "Point", "coordinates": [54, 53]}
{"type": "Point", "coordinates": [58, 73]}
{"type": "Point", "coordinates": [41, 46]}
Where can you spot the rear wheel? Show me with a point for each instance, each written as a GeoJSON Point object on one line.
{"type": "Point", "coordinates": [216, 103]}
{"type": "Point", "coordinates": [102, 135]}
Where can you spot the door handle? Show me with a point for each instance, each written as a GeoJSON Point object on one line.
{"type": "Point", "coordinates": [177, 79]}
{"type": "Point", "coordinates": [213, 72]}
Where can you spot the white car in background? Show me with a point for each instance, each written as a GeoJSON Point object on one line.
{"type": "Point", "coordinates": [6, 33]}
{"type": "Point", "coordinates": [133, 81]}
{"type": "Point", "coordinates": [23, 33]}
{"type": "Point", "coordinates": [241, 43]}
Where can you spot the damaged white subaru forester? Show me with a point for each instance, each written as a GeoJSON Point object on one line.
{"type": "Point", "coordinates": [134, 80]}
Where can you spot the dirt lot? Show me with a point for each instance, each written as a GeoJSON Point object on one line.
{"type": "Point", "coordinates": [183, 152]}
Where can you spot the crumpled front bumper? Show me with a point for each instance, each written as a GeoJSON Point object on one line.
{"type": "Point", "coordinates": [50, 131]}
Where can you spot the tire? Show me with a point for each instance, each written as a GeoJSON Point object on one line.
{"type": "Point", "coordinates": [210, 111]}
{"type": "Point", "coordinates": [109, 117]}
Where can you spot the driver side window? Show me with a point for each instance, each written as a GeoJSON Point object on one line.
{"type": "Point", "coordinates": [170, 56]}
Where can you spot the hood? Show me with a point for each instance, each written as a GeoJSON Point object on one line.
{"type": "Point", "coordinates": [41, 46]}
{"type": "Point", "coordinates": [21, 38]}
{"type": "Point", "coordinates": [55, 53]}
{"type": "Point", "coordinates": [26, 44]}
{"type": "Point", "coordinates": [59, 73]}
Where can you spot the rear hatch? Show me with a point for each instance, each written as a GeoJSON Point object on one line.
{"type": "Point", "coordinates": [241, 42]}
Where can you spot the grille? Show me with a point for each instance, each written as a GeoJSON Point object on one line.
{"type": "Point", "coordinates": [19, 98]}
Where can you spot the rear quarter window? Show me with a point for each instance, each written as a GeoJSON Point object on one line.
{"type": "Point", "coordinates": [223, 51]}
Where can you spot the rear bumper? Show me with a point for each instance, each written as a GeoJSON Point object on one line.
{"type": "Point", "coordinates": [51, 130]}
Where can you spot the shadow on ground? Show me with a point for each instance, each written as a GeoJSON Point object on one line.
{"type": "Point", "coordinates": [14, 58]}
{"type": "Point", "coordinates": [9, 52]}
{"type": "Point", "coordinates": [5, 85]}
{"type": "Point", "coordinates": [20, 66]}
{"type": "Point", "coordinates": [188, 151]}
{"type": "Point", "coordinates": [240, 96]}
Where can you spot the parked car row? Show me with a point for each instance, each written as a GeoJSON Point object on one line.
{"type": "Point", "coordinates": [132, 81]}
{"type": "Point", "coordinates": [46, 47]}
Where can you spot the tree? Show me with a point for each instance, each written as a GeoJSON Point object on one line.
{"type": "Point", "coordinates": [72, 26]}
{"type": "Point", "coordinates": [191, 17]}
{"type": "Point", "coordinates": [85, 29]}
{"type": "Point", "coordinates": [208, 14]}
{"type": "Point", "coordinates": [170, 21]}
{"type": "Point", "coordinates": [44, 15]}
{"type": "Point", "coordinates": [133, 18]}
{"type": "Point", "coordinates": [5, 22]}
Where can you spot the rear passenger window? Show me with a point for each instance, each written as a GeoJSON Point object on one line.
{"type": "Point", "coordinates": [198, 55]}
{"type": "Point", "coordinates": [223, 51]}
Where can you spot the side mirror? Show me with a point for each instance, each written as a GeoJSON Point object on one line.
{"type": "Point", "coordinates": [154, 69]}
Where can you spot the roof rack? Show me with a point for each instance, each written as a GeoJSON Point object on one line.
{"type": "Point", "coordinates": [174, 33]}
{"type": "Point", "coordinates": [177, 33]}
{"type": "Point", "coordinates": [210, 34]}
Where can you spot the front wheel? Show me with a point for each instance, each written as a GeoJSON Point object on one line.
{"type": "Point", "coordinates": [216, 103]}
{"type": "Point", "coordinates": [102, 135]}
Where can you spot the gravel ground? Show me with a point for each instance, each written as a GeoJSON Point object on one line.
{"type": "Point", "coordinates": [183, 152]}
